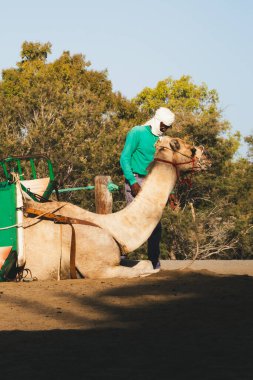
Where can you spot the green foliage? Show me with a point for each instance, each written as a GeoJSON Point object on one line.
{"type": "Point", "coordinates": [179, 95]}
{"type": "Point", "coordinates": [35, 51]}
{"type": "Point", "coordinates": [214, 194]}
{"type": "Point", "coordinates": [66, 110]}
{"type": "Point", "coordinates": [249, 140]}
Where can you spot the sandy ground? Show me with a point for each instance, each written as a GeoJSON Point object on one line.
{"type": "Point", "coordinates": [172, 325]}
{"type": "Point", "coordinates": [241, 267]}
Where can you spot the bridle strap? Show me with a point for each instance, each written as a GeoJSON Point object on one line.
{"type": "Point", "coordinates": [175, 163]}
{"type": "Point", "coordinates": [192, 161]}
{"type": "Point", "coordinates": [186, 180]}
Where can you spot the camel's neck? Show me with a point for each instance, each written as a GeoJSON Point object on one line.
{"type": "Point", "coordinates": [133, 225]}
{"type": "Point", "coordinates": [154, 194]}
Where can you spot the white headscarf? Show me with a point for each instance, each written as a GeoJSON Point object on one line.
{"type": "Point", "coordinates": [163, 115]}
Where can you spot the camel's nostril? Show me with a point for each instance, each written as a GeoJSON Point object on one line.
{"type": "Point", "coordinates": [193, 150]}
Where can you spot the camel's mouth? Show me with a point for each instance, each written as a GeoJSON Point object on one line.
{"type": "Point", "coordinates": [203, 164]}
{"type": "Point", "coordinates": [203, 161]}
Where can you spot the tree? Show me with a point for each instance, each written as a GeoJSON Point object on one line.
{"type": "Point", "coordinates": [219, 230]}
{"type": "Point", "coordinates": [63, 109]}
{"type": "Point", "coordinates": [69, 111]}
{"type": "Point", "coordinates": [249, 140]}
{"type": "Point", "coordinates": [35, 51]}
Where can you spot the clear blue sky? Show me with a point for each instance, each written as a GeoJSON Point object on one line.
{"type": "Point", "coordinates": [143, 41]}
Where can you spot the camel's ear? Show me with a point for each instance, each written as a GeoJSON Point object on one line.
{"type": "Point", "coordinates": [174, 144]}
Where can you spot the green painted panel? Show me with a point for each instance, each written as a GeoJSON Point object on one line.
{"type": "Point", "coordinates": [8, 216]}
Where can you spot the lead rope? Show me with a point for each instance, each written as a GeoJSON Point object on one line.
{"type": "Point", "coordinates": [22, 275]}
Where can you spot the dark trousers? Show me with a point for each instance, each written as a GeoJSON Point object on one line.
{"type": "Point", "coordinates": [154, 244]}
{"type": "Point", "coordinates": [155, 237]}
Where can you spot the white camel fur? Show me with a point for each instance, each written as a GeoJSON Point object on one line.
{"type": "Point", "coordinates": [97, 253]}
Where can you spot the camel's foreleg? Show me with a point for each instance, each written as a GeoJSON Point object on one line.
{"type": "Point", "coordinates": [142, 269]}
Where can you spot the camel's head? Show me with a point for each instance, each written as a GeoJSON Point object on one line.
{"type": "Point", "coordinates": [181, 154]}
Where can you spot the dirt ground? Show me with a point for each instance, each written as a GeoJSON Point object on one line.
{"type": "Point", "coordinates": [172, 325]}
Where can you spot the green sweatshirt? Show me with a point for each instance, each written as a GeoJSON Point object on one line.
{"type": "Point", "coordinates": [138, 152]}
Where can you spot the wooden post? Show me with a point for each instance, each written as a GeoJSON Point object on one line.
{"type": "Point", "coordinates": [103, 197]}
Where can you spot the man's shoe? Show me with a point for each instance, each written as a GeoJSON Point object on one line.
{"type": "Point", "coordinates": [158, 265]}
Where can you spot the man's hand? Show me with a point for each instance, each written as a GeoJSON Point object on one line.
{"type": "Point", "coordinates": [135, 188]}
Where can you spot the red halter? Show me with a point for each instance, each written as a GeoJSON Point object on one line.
{"type": "Point", "coordinates": [188, 180]}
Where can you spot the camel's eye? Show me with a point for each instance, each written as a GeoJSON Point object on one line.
{"type": "Point", "coordinates": [174, 144]}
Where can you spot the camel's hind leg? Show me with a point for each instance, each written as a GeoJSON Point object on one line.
{"type": "Point", "coordinates": [98, 256]}
{"type": "Point", "coordinates": [142, 269]}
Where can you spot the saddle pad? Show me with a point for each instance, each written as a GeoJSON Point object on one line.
{"type": "Point", "coordinates": [4, 253]}
{"type": "Point", "coordinates": [8, 260]}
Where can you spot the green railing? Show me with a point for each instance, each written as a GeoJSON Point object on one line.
{"type": "Point", "coordinates": [18, 165]}
{"type": "Point", "coordinates": [14, 164]}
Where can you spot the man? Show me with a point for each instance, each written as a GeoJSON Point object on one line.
{"type": "Point", "coordinates": [138, 153]}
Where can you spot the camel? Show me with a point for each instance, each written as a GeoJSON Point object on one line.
{"type": "Point", "coordinates": [98, 246]}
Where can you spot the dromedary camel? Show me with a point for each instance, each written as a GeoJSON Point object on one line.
{"type": "Point", "coordinates": [98, 248]}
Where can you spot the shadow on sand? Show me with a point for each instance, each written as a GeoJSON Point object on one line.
{"type": "Point", "coordinates": [181, 326]}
